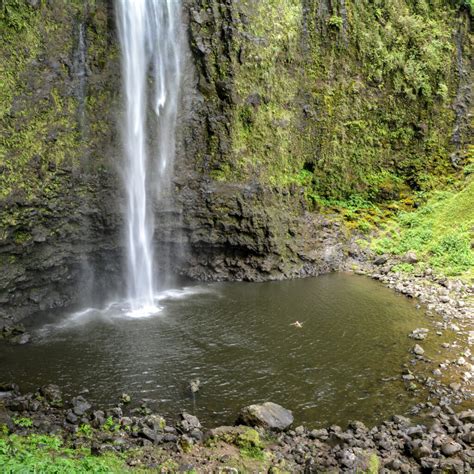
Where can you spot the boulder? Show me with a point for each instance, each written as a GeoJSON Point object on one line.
{"type": "Point", "coordinates": [188, 423]}
{"type": "Point", "coordinates": [410, 257]}
{"type": "Point", "coordinates": [52, 394]}
{"type": "Point", "coordinates": [466, 416]}
{"type": "Point", "coordinates": [451, 448]}
{"type": "Point", "coordinates": [419, 334]}
{"type": "Point", "coordinates": [418, 350]}
{"type": "Point", "coordinates": [80, 405]}
{"type": "Point", "coordinates": [381, 260]}
{"type": "Point", "coordinates": [151, 435]}
{"type": "Point", "coordinates": [268, 416]}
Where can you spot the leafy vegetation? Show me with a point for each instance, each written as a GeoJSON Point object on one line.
{"type": "Point", "coordinates": [46, 454]}
{"type": "Point", "coordinates": [110, 425]}
{"type": "Point", "coordinates": [441, 232]}
{"type": "Point", "coordinates": [23, 422]}
{"type": "Point", "coordinates": [85, 430]}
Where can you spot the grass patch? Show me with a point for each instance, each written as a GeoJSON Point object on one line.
{"type": "Point", "coordinates": [46, 454]}
{"type": "Point", "coordinates": [253, 452]}
{"type": "Point", "coordinates": [441, 232]}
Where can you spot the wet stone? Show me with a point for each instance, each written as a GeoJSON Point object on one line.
{"type": "Point", "coordinates": [150, 434]}
{"type": "Point", "coordinates": [71, 417]}
{"type": "Point", "coordinates": [319, 434]}
{"type": "Point", "coordinates": [429, 463]}
{"type": "Point", "coordinates": [80, 405]}
{"type": "Point", "coordinates": [52, 394]}
{"type": "Point", "coordinates": [188, 423]}
{"type": "Point", "coordinates": [268, 415]}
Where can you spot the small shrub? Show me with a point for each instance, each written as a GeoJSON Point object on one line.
{"type": "Point", "coordinates": [85, 430]}
{"type": "Point", "coordinates": [23, 422]}
{"type": "Point", "coordinates": [336, 22]}
{"type": "Point", "coordinates": [253, 453]}
{"type": "Point", "coordinates": [110, 425]}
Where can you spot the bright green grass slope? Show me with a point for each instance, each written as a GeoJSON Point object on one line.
{"type": "Point", "coordinates": [441, 232]}
{"type": "Point", "coordinates": [46, 454]}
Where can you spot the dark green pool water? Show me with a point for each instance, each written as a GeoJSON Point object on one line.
{"type": "Point", "coordinates": [237, 339]}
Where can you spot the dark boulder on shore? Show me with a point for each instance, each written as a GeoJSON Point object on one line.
{"type": "Point", "coordinates": [269, 416]}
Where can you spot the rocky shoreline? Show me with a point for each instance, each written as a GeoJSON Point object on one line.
{"type": "Point", "coordinates": [261, 441]}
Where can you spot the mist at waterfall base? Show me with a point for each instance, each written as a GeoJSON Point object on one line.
{"type": "Point", "coordinates": [150, 40]}
{"type": "Point", "coordinates": [236, 338]}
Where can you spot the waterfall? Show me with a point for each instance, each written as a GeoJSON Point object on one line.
{"type": "Point", "coordinates": [79, 68]}
{"type": "Point", "coordinates": [150, 36]}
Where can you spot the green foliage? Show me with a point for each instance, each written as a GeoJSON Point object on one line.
{"type": "Point", "coordinates": [403, 268]}
{"type": "Point", "coordinates": [85, 430]}
{"type": "Point", "coordinates": [408, 48]}
{"type": "Point", "coordinates": [441, 231]}
{"type": "Point", "coordinates": [250, 445]}
{"type": "Point", "coordinates": [249, 439]}
{"type": "Point", "coordinates": [374, 464]}
{"type": "Point", "coordinates": [253, 453]}
{"type": "Point", "coordinates": [357, 212]}
{"type": "Point", "coordinates": [46, 454]}
{"type": "Point", "coordinates": [110, 425]}
{"type": "Point", "coordinates": [15, 14]}
{"type": "Point", "coordinates": [335, 22]}
{"type": "Point", "coordinates": [469, 4]}
{"type": "Point", "coordinates": [23, 422]}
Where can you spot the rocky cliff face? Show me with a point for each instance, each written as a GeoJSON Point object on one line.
{"type": "Point", "coordinates": [59, 217]}
{"type": "Point", "coordinates": [286, 106]}
{"type": "Point", "coordinates": [298, 105]}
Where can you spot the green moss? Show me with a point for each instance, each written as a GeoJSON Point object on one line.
{"type": "Point", "coordinates": [22, 237]}
{"type": "Point", "coordinates": [263, 132]}
{"type": "Point", "coordinates": [361, 99]}
{"type": "Point", "coordinates": [44, 147]}
{"type": "Point", "coordinates": [253, 453]}
{"type": "Point", "coordinates": [374, 464]}
{"type": "Point", "coordinates": [249, 439]}
{"type": "Point", "coordinates": [382, 96]}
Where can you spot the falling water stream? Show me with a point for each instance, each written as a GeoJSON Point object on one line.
{"type": "Point", "coordinates": [149, 32]}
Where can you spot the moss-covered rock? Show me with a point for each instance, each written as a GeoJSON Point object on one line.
{"type": "Point", "coordinates": [57, 94]}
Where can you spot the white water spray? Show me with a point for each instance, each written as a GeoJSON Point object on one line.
{"type": "Point", "coordinates": [150, 38]}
